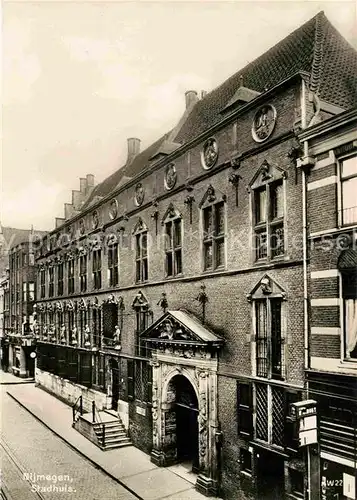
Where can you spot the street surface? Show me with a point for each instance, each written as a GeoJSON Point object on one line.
{"type": "Point", "coordinates": [36, 464]}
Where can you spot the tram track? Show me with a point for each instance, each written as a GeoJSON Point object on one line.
{"type": "Point", "coordinates": [13, 459]}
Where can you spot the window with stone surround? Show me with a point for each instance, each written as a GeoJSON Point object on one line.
{"type": "Point", "coordinates": [212, 208]}
{"type": "Point", "coordinates": [97, 268]}
{"type": "Point", "coordinates": [60, 273]}
{"type": "Point", "coordinates": [172, 222]}
{"type": "Point", "coordinates": [268, 212]}
{"type": "Point", "coordinates": [51, 281]}
{"type": "Point", "coordinates": [70, 276]}
{"type": "Point", "coordinates": [348, 176]}
{"type": "Point", "coordinates": [113, 265]}
{"type": "Point", "coordinates": [141, 252]}
{"type": "Point", "coordinates": [83, 273]}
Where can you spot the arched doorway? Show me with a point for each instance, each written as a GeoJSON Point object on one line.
{"type": "Point", "coordinates": [186, 410]}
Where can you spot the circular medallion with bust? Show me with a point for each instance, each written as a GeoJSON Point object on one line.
{"type": "Point", "coordinates": [139, 194]}
{"type": "Point", "coordinates": [170, 176]}
{"type": "Point", "coordinates": [113, 209]}
{"type": "Point", "coordinates": [210, 153]}
{"type": "Point", "coordinates": [264, 123]}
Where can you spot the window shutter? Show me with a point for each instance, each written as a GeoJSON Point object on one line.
{"type": "Point", "coordinates": [130, 379]}
{"type": "Point", "coordinates": [85, 368]}
{"type": "Point", "coordinates": [73, 365]}
{"type": "Point", "coordinates": [62, 361]}
{"type": "Point", "coordinates": [245, 409]}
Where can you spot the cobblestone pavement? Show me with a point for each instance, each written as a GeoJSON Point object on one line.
{"type": "Point", "coordinates": [54, 470]}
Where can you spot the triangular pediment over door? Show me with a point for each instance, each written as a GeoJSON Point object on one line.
{"type": "Point", "coordinates": [182, 329]}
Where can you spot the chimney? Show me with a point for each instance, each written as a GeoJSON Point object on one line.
{"type": "Point", "coordinates": [203, 93]}
{"type": "Point", "coordinates": [82, 184]}
{"type": "Point", "coordinates": [191, 98]}
{"type": "Point", "coordinates": [90, 181]}
{"type": "Point", "coordinates": [133, 148]}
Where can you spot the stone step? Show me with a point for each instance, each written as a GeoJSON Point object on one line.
{"type": "Point", "coordinates": [118, 445]}
{"type": "Point", "coordinates": [110, 433]}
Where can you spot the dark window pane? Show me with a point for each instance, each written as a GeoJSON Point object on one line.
{"type": "Point", "coordinates": [276, 338]}
{"type": "Point", "coordinates": [168, 240]}
{"type": "Point", "coordinates": [177, 226]}
{"type": "Point", "coordinates": [208, 258]}
{"type": "Point", "coordinates": [145, 270]}
{"type": "Point", "coordinates": [169, 267]}
{"type": "Point", "coordinates": [138, 270]}
{"type": "Point", "coordinates": [178, 261]}
{"type": "Point", "coordinates": [219, 253]}
{"type": "Point", "coordinates": [144, 244]}
{"type": "Point", "coordinates": [207, 221]}
{"type": "Point", "coordinates": [219, 215]}
{"type": "Point", "coordinates": [138, 246]}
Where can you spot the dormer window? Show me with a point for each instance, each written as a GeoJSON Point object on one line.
{"type": "Point", "coordinates": [268, 213]}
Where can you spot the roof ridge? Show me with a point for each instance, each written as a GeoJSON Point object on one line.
{"type": "Point", "coordinates": [316, 67]}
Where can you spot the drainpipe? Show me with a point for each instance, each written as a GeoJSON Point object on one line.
{"type": "Point", "coordinates": [305, 242]}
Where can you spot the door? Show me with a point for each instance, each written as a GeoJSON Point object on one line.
{"type": "Point", "coordinates": [187, 434]}
{"type": "Point", "coordinates": [115, 384]}
{"type": "Point", "coordinates": [270, 476]}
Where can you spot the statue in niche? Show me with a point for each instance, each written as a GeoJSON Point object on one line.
{"type": "Point", "coordinates": [63, 334]}
{"type": "Point", "coordinates": [86, 336]}
{"type": "Point", "coordinates": [44, 332]}
{"type": "Point", "coordinates": [116, 337]}
{"type": "Point", "coordinates": [74, 336]}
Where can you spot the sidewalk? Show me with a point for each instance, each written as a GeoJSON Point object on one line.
{"type": "Point", "coordinates": [129, 466]}
{"type": "Point", "coordinates": [7, 378]}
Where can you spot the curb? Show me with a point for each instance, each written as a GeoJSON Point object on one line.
{"type": "Point", "coordinates": [75, 449]}
{"type": "Point", "coordinates": [18, 383]}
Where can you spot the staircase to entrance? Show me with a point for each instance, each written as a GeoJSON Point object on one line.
{"type": "Point", "coordinates": [104, 428]}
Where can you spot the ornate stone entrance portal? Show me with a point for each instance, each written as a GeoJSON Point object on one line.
{"type": "Point", "coordinates": [185, 395]}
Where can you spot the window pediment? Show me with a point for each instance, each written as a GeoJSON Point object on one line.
{"type": "Point", "coordinates": [211, 196]}
{"type": "Point", "coordinates": [266, 173]}
{"type": "Point", "coordinates": [266, 288]}
{"type": "Point", "coordinates": [140, 226]}
{"type": "Point", "coordinates": [140, 301]}
{"type": "Point", "coordinates": [171, 213]}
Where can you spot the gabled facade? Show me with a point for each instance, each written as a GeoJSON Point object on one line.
{"type": "Point", "coordinates": [178, 297]}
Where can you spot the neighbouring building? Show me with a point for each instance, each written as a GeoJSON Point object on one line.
{"type": "Point", "coordinates": [175, 291]}
{"type": "Point", "coordinates": [330, 171]}
{"type": "Point", "coordinates": [17, 290]}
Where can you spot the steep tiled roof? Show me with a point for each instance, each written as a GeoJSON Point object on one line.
{"type": "Point", "coordinates": [315, 45]}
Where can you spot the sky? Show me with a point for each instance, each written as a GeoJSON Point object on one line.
{"type": "Point", "coordinates": [79, 77]}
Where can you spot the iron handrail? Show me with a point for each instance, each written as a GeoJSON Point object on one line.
{"type": "Point", "coordinates": [80, 407]}
{"type": "Point", "coordinates": [96, 415]}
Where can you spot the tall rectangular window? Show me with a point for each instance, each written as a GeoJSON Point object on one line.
{"type": "Point", "coordinates": [42, 283]}
{"type": "Point", "coordinates": [268, 338]}
{"type": "Point", "coordinates": [269, 220]}
{"type": "Point", "coordinates": [51, 281]}
{"type": "Point", "coordinates": [173, 247]}
{"type": "Point", "coordinates": [24, 292]}
{"type": "Point", "coordinates": [97, 269]}
{"type": "Point", "coordinates": [213, 236]}
{"type": "Point", "coordinates": [60, 272]}
{"type": "Point", "coordinates": [31, 295]}
{"type": "Point", "coordinates": [83, 273]}
{"type": "Point", "coordinates": [349, 295]}
{"type": "Point", "coordinates": [113, 265]}
{"type": "Point", "coordinates": [245, 409]}
{"type": "Point", "coordinates": [141, 256]}
{"type": "Point", "coordinates": [70, 271]}
{"type": "Point", "coordinates": [349, 190]}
